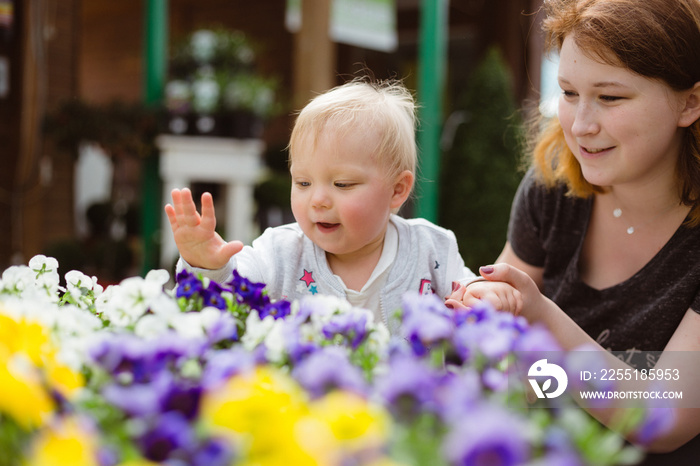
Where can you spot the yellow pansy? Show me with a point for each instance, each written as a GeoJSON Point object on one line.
{"type": "Point", "coordinates": [66, 443]}
{"type": "Point", "coordinates": [260, 408]}
{"type": "Point", "coordinates": [22, 395]}
{"type": "Point", "coordinates": [23, 336]}
{"type": "Point", "coordinates": [342, 424]}
{"type": "Point", "coordinates": [64, 379]}
{"type": "Point", "coordinates": [351, 418]}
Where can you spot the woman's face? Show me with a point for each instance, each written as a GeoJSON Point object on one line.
{"type": "Point", "coordinates": [622, 128]}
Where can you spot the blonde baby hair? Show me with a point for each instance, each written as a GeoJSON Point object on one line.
{"type": "Point", "coordinates": [383, 108]}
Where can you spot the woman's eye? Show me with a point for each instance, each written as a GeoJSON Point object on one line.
{"type": "Point", "coordinates": [610, 98]}
{"type": "Point", "coordinates": [569, 94]}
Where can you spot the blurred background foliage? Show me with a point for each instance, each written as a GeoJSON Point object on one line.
{"type": "Point", "coordinates": [481, 161]}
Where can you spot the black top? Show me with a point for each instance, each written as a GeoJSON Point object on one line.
{"type": "Point", "coordinates": [547, 229]}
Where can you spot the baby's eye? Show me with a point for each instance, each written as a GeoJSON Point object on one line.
{"type": "Point", "coordinates": [302, 184]}
{"type": "Point", "coordinates": [343, 184]}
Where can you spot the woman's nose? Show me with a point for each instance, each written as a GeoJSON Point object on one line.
{"type": "Point", "coordinates": [585, 121]}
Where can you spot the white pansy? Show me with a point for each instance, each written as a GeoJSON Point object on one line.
{"type": "Point", "coordinates": [82, 288]}
{"type": "Point", "coordinates": [18, 278]}
{"type": "Point", "coordinates": [158, 277]}
{"type": "Point", "coordinates": [164, 306]}
{"type": "Point", "coordinates": [378, 340]}
{"type": "Point", "coordinates": [274, 341]}
{"type": "Point", "coordinates": [77, 279]}
{"type": "Point", "coordinates": [125, 303]}
{"type": "Point", "coordinates": [151, 326]}
{"type": "Point", "coordinates": [41, 262]}
{"type": "Point", "coordinates": [188, 325]}
{"type": "Point", "coordinates": [210, 317]}
{"type": "Point", "coordinates": [256, 330]}
{"type": "Point", "coordinates": [46, 273]}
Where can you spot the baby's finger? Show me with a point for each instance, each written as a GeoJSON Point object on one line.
{"type": "Point", "coordinates": [190, 216]}
{"type": "Point", "coordinates": [470, 301]}
{"type": "Point", "coordinates": [172, 218]}
{"type": "Point", "coordinates": [208, 214]}
{"type": "Point", "coordinates": [518, 298]}
{"type": "Point", "coordinates": [176, 195]}
{"type": "Point", "coordinates": [231, 248]}
{"type": "Point", "coordinates": [454, 304]}
{"type": "Point", "coordinates": [494, 300]}
{"type": "Point", "coordinates": [458, 291]}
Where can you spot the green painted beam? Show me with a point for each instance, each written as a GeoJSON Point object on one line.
{"type": "Point", "coordinates": [432, 63]}
{"type": "Point", "coordinates": [155, 59]}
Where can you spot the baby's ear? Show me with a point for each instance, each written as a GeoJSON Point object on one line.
{"type": "Point", "coordinates": [691, 111]}
{"type": "Point", "coordinates": [403, 184]}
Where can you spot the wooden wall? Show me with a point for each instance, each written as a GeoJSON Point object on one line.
{"type": "Point", "coordinates": [36, 182]}
{"type": "Point", "coordinates": [111, 48]}
{"type": "Point", "coordinates": [10, 48]}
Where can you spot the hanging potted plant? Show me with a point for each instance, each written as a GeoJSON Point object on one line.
{"type": "Point", "coordinates": [214, 89]}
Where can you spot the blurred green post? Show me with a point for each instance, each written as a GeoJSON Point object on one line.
{"type": "Point", "coordinates": [155, 57]}
{"type": "Point", "coordinates": [432, 59]}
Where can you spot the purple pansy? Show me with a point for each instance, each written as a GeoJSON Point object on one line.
{"type": "Point", "coordinates": [426, 322]}
{"type": "Point", "coordinates": [248, 292]}
{"type": "Point", "coordinates": [223, 364]}
{"type": "Point", "coordinates": [213, 452]}
{"type": "Point", "coordinates": [328, 369]}
{"type": "Point", "coordinates": [488, 436]}
{"type": "Point", "coordinates": [170, 438]}
{"type": "Point", "coordinates": [212, 296]}
{"type": "Point", "coordinates": [458, 394]}
{"type": "Point", "coordinates": [408, 387]}
{"type": "Point", "coordinates": [140, 399]}
{"type": "Point", "coordinates": [187, 284]}
{"type": "Point", "coordinates": [279, 309]}
{"type": "Point", "coordinates": [351, 324]}
{"type": "Point", "coordinates": [224, 328]}
{"type": "Point", "coordinates": [657, 421]}
{"type": "Point", "coordinates": [183, 396]}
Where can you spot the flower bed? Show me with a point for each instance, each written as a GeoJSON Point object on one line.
{"type": "Point", "coordinates": [204, 374]}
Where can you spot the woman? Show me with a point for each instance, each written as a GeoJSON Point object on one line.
{"type": "Point", "coordinates": [607, 221]}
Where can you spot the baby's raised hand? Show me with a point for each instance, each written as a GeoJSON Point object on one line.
{"type": "Point", "coordinates": [195, 236]}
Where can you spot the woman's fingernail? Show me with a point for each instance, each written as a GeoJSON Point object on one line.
{"type": "Point", "coordinates": [455, 286]}
{"type": "Point", "coordinates": [487, 269]}
{"type": "Point", "coordinates": [449, 306]}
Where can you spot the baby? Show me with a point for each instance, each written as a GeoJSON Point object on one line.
{"type": "Point", "coordinates": [353, 163]}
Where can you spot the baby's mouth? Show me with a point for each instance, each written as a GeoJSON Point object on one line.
{"type": "Point", "coordinates": [327, 226]}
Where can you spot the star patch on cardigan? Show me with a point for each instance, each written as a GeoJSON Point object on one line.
{"type": "Point", "coordinates": [308, 278]}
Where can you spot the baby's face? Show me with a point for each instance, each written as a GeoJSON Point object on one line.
{"type": "Point", "coordinates": [341, 197]}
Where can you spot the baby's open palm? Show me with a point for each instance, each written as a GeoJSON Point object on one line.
{"type": "Point", "coordinates": [195, 235]}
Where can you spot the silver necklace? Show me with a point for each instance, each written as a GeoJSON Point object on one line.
{"type": "Point", "coordinates": [617, 213]}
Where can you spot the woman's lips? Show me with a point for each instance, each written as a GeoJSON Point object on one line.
{"type": "Point", "coordinates": [591, 152]}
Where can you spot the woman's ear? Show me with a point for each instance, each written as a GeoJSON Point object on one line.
{"type": "Point", "coordinates": [691, 110]}
{"type": "Point", "coordinates": [403, 184]}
